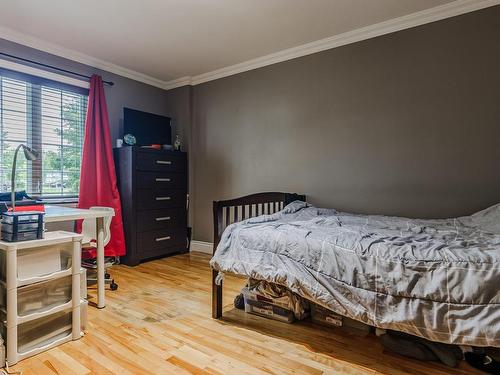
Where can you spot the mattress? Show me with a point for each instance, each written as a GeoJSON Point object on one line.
{"type": "Point", "coordinates": [436, 279]}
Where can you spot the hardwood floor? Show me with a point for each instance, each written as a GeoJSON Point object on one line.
{"type": "Point", "coordinates": [158, 322]}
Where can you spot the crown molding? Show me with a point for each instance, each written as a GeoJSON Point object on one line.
{"type": "Point", "coordinates": [441, 12]}
{"type": "Point", "coordinates": [54, 49]}
{"type": "Point", "coordinates": [179, 82]}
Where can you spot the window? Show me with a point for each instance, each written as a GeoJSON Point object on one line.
{"type": "Point", "coordinates": [50, 119]}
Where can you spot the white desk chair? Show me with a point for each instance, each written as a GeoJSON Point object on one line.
{"type": "Point", "coordinates": [89, 233]}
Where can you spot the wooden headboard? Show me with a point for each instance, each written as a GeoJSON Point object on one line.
{"type": "Point", "coordinates": [233, 210]}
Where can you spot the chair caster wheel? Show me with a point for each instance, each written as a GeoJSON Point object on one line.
{"type": "Point", "coordinates": [113, 286]}
{"type": "Point", "coordinates": [107, 276]}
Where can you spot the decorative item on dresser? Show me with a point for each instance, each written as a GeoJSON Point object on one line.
{"type": "Point", "coordinates": [153, 189]}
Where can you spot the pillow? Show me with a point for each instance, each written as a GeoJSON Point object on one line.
{"type": "Point", "coordinates": [488, 219]}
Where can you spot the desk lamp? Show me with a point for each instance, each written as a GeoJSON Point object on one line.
{"type": "Point", "coordinates": [29, 154]}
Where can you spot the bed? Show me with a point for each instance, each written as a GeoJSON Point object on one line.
{"type": "Point", "coordinates": [436, 279]}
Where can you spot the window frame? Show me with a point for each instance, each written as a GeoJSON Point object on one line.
{"type": "Point", "coordinates": [35, 125]}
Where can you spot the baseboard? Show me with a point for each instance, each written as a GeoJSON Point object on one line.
{"type": "Point", "coordinates": [202, 247]}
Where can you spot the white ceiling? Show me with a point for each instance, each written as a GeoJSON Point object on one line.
{"type": "Point", "coordinates": [168, 39]}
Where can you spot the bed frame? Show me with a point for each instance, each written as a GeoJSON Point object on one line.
{"type": "Point", "coordinates": [231, 211]}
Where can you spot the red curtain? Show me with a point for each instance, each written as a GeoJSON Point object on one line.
{"type": "Point", "coordinates": [98, 177]}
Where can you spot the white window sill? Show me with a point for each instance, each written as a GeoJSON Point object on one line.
{"type": "Point", "coordinates": [59, 200]}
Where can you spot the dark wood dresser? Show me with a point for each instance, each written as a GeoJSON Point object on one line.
{"type": "Point", "coordinates": [153, 190]}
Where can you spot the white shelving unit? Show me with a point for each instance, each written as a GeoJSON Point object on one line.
{"type": "Point", "coordinates": [40, 306]}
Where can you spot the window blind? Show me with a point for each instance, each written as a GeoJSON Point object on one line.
{"type": "Point", "coordinates": [50, 120]}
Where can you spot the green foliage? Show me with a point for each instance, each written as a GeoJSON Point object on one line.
{"type": "Point", "coordinates": [68, 158]}
{"type": "Point", "coordinates": [6, 160]}
{"type": "Point", "coordinates": [60, 164]}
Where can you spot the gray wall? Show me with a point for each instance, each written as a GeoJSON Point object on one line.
{"type": "Point", "coordinates": [180, 109]}
{"type": "Point", "coordinates": [125, 93]}
{"type": "Point", "coordinates": [405, 124]}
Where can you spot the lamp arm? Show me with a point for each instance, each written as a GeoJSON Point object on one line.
{"type": "Point", "coordinates": [13, 178]}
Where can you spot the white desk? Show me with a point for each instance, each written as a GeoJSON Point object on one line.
{"type": "Point", "coordinates": [55, 214]}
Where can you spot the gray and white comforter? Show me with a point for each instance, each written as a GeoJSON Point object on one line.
{"type": "Point", "coordinates": [437, 279]}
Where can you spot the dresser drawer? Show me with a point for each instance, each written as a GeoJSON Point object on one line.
{"type": "Point", "coordinates": [161, 180]}
{"type": "Point", "coordinates": [161, 219]}
{"type": "Point", "coordinates": [166, 162]}
{"type": "Point", "coordinates": [162, 238]}
{"type": "Point", "coordinates": [149, 199]}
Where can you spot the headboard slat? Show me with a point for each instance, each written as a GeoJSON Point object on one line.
{"type": "Point", "coordinates": [258, 204]}
{"type": "Point", "coordinates": [228, 215]}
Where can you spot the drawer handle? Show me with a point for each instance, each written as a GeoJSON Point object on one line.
{"type": "Point", "coordinates": [162, 198]}
{"type": "Point", "coordinates": [158, 179]}
{"type": "Point", "coordinates": [165, 162]}
{"type": "Point", "coordinates": [162, 239]}
{"type": "Point", "coordinates": [163, 218]}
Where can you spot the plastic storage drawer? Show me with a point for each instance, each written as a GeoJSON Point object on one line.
{"type": "Point", "coordinates": [20, 236]}
{"type": "Point", "coordinates": [41, 296]}
{"type": "Point", "coordinates": [22, 227]}
{"type": "Point", "coordinates": [40, 262]}
{"type": "Point", "coordinates": [266, 309]}
{"type": "Point", "coordinates": [42, 331]}
{"type": "Point", "coordinates": [23, 218]}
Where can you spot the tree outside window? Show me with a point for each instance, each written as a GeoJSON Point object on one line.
{"type": "Point", "coordinates": [51, 121]}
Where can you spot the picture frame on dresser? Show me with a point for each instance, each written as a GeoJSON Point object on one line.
{"type": "Point", "coordinates": [153, 190]}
